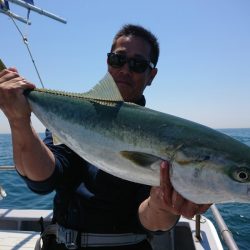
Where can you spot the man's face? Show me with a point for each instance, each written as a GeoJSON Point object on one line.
{"type": "Point", "coordinates": [132, 84]}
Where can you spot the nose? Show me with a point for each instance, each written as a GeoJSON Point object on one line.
{"type": "Point", "coordinates": [125, 68]}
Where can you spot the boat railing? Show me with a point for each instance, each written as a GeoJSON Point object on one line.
{"type": "Point", "coordinates": [225, 233]}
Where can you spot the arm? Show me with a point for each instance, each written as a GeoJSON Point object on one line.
{"type": "Point", "coordinates": [32, 158]}
{"type": "Point", "coordinates": [162, 209]}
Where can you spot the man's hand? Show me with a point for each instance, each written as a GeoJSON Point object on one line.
{"type": "Point", "coordinates": [161, 210]}
{"type": "Point", "coordinates": [32, 157]}
{"type": "Point", "coordinates": [166, 198]}
{"type": "Point", "coordinates": [12, 101]}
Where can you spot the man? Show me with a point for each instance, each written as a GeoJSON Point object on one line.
{"type": "Point", "coordinates": [95, 209]}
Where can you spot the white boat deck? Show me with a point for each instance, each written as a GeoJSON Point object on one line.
{"type": "Point", "coordinates": [19, 229]}
{"type": "Point", "coordinates": [14, 224]}
{"type": "Point", "coordinates": [15, 240]}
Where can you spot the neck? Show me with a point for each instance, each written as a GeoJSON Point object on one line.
{"type": "Point", "coordinates": [141, 101]}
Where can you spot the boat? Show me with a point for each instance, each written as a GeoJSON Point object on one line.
{"type": "Point", "coordinates": [20, 229]}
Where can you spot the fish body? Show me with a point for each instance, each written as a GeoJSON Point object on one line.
{"type": "Point", "coordinates": [130, 141]}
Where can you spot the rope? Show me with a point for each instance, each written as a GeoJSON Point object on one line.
{"type": "Point", "coordinates": [25, 40]}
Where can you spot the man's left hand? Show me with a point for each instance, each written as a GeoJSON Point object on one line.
{"type": "Point", "coordinates": [167, 198]}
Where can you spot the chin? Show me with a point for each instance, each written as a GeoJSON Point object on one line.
{"type": "Point", "coordinates": [126, 97]}
{"type": "Point", "coordinates": [125, 91]}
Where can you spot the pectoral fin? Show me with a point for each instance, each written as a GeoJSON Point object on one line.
{"type": "Point", "coordinates": [141, 159]}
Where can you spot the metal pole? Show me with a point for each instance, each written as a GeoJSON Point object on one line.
{"type": "Point", "coordinates": [38, 10]}
{"type": "Point", "coordinates": [3, 168]}
{"type": "Point", "coordinates": [224, 231]}
{"type": "Point", "coordinates": [198, 227]}
{"type": "Point", "coordinates": [19, 18]}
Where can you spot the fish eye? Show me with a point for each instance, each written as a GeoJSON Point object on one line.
{"type": "Point", "coordinates": [242, 175]}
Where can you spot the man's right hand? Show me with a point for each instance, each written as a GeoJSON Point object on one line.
{"type": "Point", "coordinates": [31, 156]}
{"type": "Point", "coordinates": [12, 101]}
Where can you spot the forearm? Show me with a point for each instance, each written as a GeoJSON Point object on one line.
{"type": "Point", "coordinates": [155, 218]}
{"type": "Point", "coordinates": [31, 156]}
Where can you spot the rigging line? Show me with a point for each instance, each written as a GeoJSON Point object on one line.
{"type": "Point", "coordinates": [25, 40]}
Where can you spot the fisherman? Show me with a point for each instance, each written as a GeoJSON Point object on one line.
{"type": "Point", "coordinates": [93, 209]}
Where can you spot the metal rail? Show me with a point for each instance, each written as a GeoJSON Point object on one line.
{"type": "Point", "coordinates": [38, 10]}
{"type": "Point", "coordinates": [2, 168]}
{"type": "Point", "coordinates": [19, 18]}
{"type": "Point", "coordinates": [224, 231]}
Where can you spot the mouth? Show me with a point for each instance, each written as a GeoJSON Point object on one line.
{"type": "Point", "coordinates": [122, 82]}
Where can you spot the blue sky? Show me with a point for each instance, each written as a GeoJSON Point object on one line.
{"type": "Point", "coordinates": [204, 65]}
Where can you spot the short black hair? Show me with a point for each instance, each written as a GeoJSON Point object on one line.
{"type": "Point", "coordinates": [139, 31]}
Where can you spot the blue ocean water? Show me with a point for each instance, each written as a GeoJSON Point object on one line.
{"type": "Point", "coordinates": [236, 216]}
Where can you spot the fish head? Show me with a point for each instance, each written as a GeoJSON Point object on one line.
{"type": "Point", "coordinates": [210, 178]}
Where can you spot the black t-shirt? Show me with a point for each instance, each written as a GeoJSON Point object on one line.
{"type": "Point", "coordinates": [87, 198]}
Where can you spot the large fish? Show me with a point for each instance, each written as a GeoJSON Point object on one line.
{"type": "Point", "coordinates": [130, 141]}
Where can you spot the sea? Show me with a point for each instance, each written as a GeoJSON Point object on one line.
{"type": "Point", "coordinates": [236, 216]}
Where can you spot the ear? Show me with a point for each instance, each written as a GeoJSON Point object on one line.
{"type": "Point", "coordinates": [152, 75]}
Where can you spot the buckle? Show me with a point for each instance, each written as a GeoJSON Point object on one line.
{"type": "Point", "coordinates": [67, 237]}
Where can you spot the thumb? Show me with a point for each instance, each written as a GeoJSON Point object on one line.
{"type": "Point", "coordinates": [13, 70]}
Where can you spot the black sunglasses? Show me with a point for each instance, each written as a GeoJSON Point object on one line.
{"type": "Point", "coordinates": [135, 64]}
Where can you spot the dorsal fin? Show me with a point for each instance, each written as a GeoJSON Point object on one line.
{"type": "Point", "coordinates": [105, 90]}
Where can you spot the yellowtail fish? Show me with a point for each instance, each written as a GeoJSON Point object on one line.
{"type": "Point", "coordinates": [130, 141]}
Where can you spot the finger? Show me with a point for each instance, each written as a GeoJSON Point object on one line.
{"type": "Point", "coordinates": [177, 201]}
{"type": "Point", "coordinates": [190, 209]}
{"type": "Point", "coordinates": [3, 72]}
{"type": "Point", "coordinates": [12, 83]}
{"type": "Point", "coordinates": [171, 197]}
{"type": "Point", "coordinates": [203, 208]}
{"type": "Point", "coordinates": [7, 75]}
{"type": "Point", "coordinates": [156, 193]}
{"type": "Point", "coordinates": [165, 183]}
{"type": "Point", "coordinates": [13, 70]}
{"type": "Point", "coordinates": [165, 173]}
{"type": "Point", "coordinates": [12, 77]}
{"type": "Point", "coordinates": [28, 84]}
